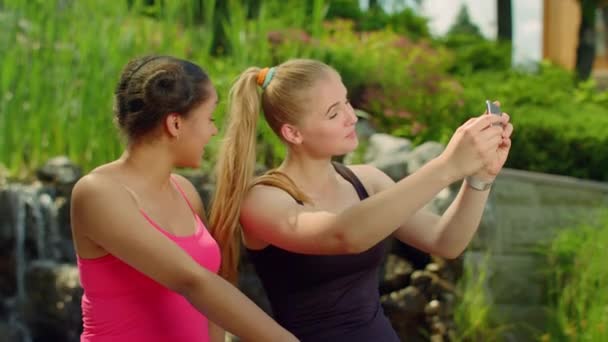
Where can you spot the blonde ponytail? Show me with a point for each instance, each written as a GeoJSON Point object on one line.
{"type": "Point", "coordinates": [282, 181]}
{"type": "Point", "coordinates": [285, 99]}
{"type": "Point", "coordinates": [235, 167]}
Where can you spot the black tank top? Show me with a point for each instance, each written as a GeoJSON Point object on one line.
{"type": "Point", "coordinates": [326, 297]}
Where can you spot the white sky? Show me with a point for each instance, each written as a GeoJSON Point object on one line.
{"type": "Point", "coordinates": [527, 22]}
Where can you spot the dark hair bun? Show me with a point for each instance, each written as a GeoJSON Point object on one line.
{"type": "Point", "coordinates": [151, 87]}
{"type": "Point", "coordinates": [167, 89]}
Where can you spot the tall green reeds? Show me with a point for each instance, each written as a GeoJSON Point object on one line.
{"type": "Point", "coordinates": [474, 316]}
{"type": "Point", "coordinates": [60, 60]}
{"type": "Point", "coordinates": [578, 282]}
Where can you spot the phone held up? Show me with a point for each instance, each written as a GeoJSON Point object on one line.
{"type": "Point", "coordinates": [493, 109]}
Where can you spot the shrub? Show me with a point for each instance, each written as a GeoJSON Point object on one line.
{"type": "Point", "coordinates": [579, 277]}
{"type": "Point", "coordinates": [560, 126]}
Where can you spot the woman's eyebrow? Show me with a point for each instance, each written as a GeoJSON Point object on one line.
{"type": "Point", "coordinates": [332, 106]}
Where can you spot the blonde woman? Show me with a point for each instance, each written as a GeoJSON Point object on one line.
{"type": "Point", "coordinates": [314, 229]}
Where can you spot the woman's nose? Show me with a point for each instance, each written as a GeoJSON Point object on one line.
{"type": "Point", "coordinates": [351, 117]}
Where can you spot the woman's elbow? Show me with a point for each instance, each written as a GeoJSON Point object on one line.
{"type": "Point", "coordinates": [449, 253]}
{"type": "Point", "coordinates": [447, 248]}
{"type": "Point", "coordinates": [348, 244]}
{"type": "Point", "coordinates": [188, 282]}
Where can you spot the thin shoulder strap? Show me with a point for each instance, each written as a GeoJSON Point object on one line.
{"type": "Point", "coordinates": [349, 175]}
{"type": "Point", "coordinates": [183, 193]}
{"type": "Point", "coordinates": [133, 195]}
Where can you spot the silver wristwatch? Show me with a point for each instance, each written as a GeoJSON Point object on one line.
{"type": "Point", "coordinates": [477, 184]}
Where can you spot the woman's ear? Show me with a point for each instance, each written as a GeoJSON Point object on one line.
{"type": "Point", "coordinates": [173, 124]}
{"type": "Point", "coordinates": [291, 134]}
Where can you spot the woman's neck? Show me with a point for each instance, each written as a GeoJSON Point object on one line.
{"type": "Point", "coordinates": [313, 176]}
{"type": "Point", "coordinates": [150, 164]}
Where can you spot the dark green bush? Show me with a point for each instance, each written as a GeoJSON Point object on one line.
{"type": "Point", "coordinates": [561, 128]}
{"type": "Point", "coordinates": [405, 22]}
{"type": "Point", "coordinates": [472, 53]}
{"type": "Point", "coordinates": [344, 9]}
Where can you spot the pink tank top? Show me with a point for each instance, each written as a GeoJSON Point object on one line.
{"type": "Point", "coordinates": [122, 304]}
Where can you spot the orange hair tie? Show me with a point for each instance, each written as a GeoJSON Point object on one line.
{"type": "Point", "coordinates": [262, 76]}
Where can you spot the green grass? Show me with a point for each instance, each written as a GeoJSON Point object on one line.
{"type": "Point", "coordinates": [474, 315]}
{"type": "Point", "coordinates": [578, 283]}
{"type": "Point", "coordinates": [62, 59]}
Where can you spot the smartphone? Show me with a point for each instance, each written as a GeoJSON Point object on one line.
{"type": "Point", "coordinates": [493, 108]}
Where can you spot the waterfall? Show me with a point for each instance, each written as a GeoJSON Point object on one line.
{"type": "Point", "coordinates": [39, 225]}
{"type": "Point", "coordinates": [54, 238]}
{"type": "Point", "coordinates": [39, 296]}
{"type": "Point", "coordinates": [20, 197]}
{"type": "Point", "coordinates": [21, 328]}
{"type": "Point", "coordinates": [21, 206]}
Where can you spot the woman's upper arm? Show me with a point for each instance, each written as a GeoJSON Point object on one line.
{"type": "Point", "coordinates": [106, 214]}
{"type": "Point", "coordinates": [271, 215]}
{"type": "Point", "coordinates": [373, 179]}
{"type": "Point", "coordinates": [417, 231]}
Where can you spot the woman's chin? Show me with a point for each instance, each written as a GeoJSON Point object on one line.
{"type": "Point", "coordinates": [353, 144]}
{"type": "Point", "coordinates": [191, 164]}
{"type": "Point", "coordinates": [348, 149]}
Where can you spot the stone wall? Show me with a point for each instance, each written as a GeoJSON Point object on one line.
{"type": "Point", "coordinates": [525, 212]}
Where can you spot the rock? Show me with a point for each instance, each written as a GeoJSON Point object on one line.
{"type": "Point", "coordinates": [432, 308]}
{"type": "Point", "coordinates": [5, 332]}
{"type": "Point", "coordinates": [437, 327]}
{"type": "Point", "coordinates": [364, 127]}
{"type": "Point", "coordinates": [397, 272]}
{"type": "Point", "coordinates": [423, 154]}
{"type": "Point", "coordinates": [388, 154]}
{"type": "Point", "coordinates": [396, 266]}
{"type": "Point", "coordinates": [450, 270]}
{"type": "Point", "coordinates": [59, 170]}
{"type": "Point", "coordinates": [8, 208]}
{"type": "Point", "coordinates": [385, 145]}
{"type": "Point", "coordinates": [8, 280]}
{"type": "Point", "coordinates": [394, 165]}
{"type": "Point", "coordinates": [3, 176]}
{"type": "Point", "coordinates": [433, 268]}
{"type": "Point", "coordinates": [436, 338]}
{"type": "Point", "coordinates": [53, 306]}
{"type": "Point", "coordinates": [422, 279]}
{"type": "Point", "coordinates": [417, 258]}
{"type": "Point", "coordinates": [411, 300]}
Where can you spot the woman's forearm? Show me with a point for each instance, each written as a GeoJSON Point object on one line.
{"type": "Point", "coordinates": [375, 218]}
{"type": "Point", "coordinates": [216, 333]}
{"type": "Point", "coordinates": [458, 224]}
{"type": "Point", "coordinates": [225, 305]}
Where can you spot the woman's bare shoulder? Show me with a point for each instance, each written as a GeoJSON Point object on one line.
{"type": "Point", "coordinates": [96, 193]}
{"type": "Point", "coordinates": [374, 180]}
